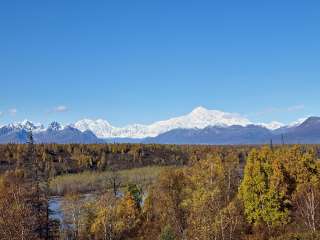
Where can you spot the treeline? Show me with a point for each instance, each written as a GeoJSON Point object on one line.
{"type": "Point", "coordinates": [24, 199]}
{"type": "Point", "coordinates": [73, 158]}
{"type": "Point", "coordinates": [276, 197]}
{"type": "Point", "coordinates": [222, 193]}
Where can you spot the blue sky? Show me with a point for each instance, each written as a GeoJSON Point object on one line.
{"type": "Point", "coordinates": [141, 61]}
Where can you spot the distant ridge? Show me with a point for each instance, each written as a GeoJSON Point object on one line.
{"type": "Point", "coordinates": [199, 118]}
{"type": "Point", "coordinates": [55, 133]}
{"type": "Point", "coordinates": [201, 126]}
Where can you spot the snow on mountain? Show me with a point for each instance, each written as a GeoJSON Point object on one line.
{"type": "Point", "coordinates": [100, 127]}
{"type": "Point", "coordinates": [55, 126]}
{"type": "Point", "coordinates": [272, 125]}
{"type": "Point", "coordinates": [34, 127]}
{"type": "Point", "coordinates": [200, 118]}
{"type": "Point", "coordinates": [27, 125]}
{"type": "Point", "coordinates": [297, 123]}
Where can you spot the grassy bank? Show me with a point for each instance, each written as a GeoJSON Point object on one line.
{"type": "Point", "coordinates": [98, 181]}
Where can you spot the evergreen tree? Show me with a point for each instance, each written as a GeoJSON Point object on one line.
{"type": "Point", "coordinates": [28, 165]}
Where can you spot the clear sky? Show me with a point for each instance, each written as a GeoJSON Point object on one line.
{"type": "Point", "coordinates": [141, 61]}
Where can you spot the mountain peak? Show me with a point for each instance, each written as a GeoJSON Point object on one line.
{"type": "Point", "coordinates": [99, 127]}
{"type": "Point", "coordinates": [200, 110]}
{"type": "Point", "coordinates": [199, 118]}
{"type": "Point", "coordinates": [26, 125]}
{"type": "Point", "coordinates": [311, 121]}
{"type": "Point", "coordinates": [54, 126]}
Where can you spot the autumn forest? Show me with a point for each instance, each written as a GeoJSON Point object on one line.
{"type": "Point", "coordinates": [165, 192]}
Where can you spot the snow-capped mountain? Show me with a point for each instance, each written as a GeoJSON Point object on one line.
{"type": "Point", "coordinates": [55, 126]}
{"type": "Point", "coordinates": [199, 126]}
{"type": "Point", "coordinates": [308, 132]}
{"type": "Point", "coordinates": [27, 125]}
{"type": "Point", "coordinates": [99, 127]}
{"type": "Point", "coordinates": [199, 118]}
{"type": "Point", "coordinates": [34, 127]}
{"type": "Point", "coordinates": [54, 133]}
{"type": "Point", "coordinates": [297, 123]}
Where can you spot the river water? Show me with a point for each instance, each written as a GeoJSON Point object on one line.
{"type": "Point", "coordinates": [56, 212]}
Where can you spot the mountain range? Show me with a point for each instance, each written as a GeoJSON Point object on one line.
{"type": "Point", "coordinates": [201, 126]}
{"type": "Point", "coordinates": [54, 133]}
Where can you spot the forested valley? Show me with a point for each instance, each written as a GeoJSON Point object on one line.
{"type": "Point", "coordinates": [165, 192]}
